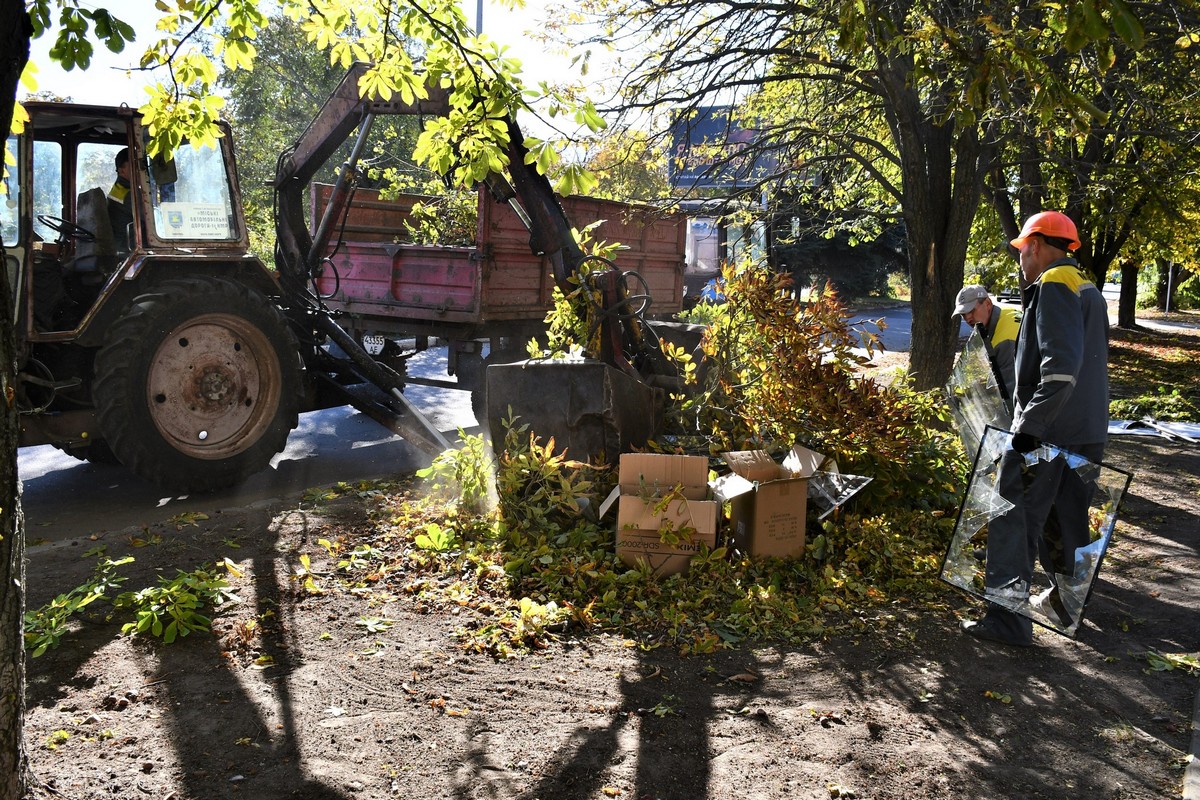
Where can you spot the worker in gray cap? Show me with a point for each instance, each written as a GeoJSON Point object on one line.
{"type": "Point", "coordinates": [998, 326]}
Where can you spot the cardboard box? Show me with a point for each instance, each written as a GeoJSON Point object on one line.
{"type": "Point", "coordinates": [659, 494]}
{"type": "Point", "coordinates": [657, 474]}
{"type": "Point", "coordinates": [768, 501]}
{"type": "Point", "coordinates": [641, 525]}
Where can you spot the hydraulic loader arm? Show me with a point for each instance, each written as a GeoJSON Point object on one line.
{"type": "Point", "coordinates": [299, 254]}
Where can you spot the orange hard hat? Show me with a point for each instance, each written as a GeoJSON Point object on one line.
{"type": "Point", "coordinates": [1054, 224]}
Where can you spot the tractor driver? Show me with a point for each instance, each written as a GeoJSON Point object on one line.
{"type": "Point", "coordinates": [120, 201]}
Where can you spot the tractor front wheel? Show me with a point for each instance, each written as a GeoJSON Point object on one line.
{"type": "Point", "coordinates": [199, 384]}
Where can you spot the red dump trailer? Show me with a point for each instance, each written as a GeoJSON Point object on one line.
{"type": "Point", "coordinates": [485, 301]}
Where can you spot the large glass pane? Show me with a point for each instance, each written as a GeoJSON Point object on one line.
{"type": "Point", "coordinates": [1057, 596]}
{"type": "Point", "coordinates": [974, 394]}
{"type": "Point", "coordinates": [190, 196]}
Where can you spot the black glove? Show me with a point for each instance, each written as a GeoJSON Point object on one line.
{"type": "Point", "coordinates": [1025, 442]}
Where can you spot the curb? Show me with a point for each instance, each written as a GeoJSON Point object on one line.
{"type": "Point", "coordinates": [1191, 774]}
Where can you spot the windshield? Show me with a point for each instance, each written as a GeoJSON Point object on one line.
{"type": "Point", "coordinates": [190, 196]}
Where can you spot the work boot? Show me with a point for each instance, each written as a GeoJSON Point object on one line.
{"type": "Point", "coordinates": [1003, 626]}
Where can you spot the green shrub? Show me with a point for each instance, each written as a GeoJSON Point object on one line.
{"type": "Point", "coordinates": [778, 371]}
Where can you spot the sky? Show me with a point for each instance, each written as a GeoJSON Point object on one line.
{"type": "Point", "coordinates": [108, 80]}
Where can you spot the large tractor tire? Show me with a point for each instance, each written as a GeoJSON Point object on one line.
{"type": "Point", "coordinates": [98, 452]}
{"type": "Point", "coordinates": [199, 384]}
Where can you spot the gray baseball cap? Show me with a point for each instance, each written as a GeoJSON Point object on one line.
{"type": "Point", "coordinates": [968, 298]}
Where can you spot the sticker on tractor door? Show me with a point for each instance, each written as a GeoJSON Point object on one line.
{"type": "Point", "coordinates": [194, 221]}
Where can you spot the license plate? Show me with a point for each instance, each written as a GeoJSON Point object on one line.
{"type": "Point", "coordinates": [373, 343]}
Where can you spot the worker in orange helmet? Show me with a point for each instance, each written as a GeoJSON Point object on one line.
{"type": "Point", "coordinates": [1061, 399]}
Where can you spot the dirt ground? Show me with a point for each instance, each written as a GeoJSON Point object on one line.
{"type": "Point", "coordinates": [312, 704]}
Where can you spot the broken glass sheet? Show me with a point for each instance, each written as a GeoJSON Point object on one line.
{"type": "Point", "coordinates": [1057, 602]}
{"type": "Point", "coordinates": [974, 395]}
{"type": "Point", "coordinates": [828, 490]}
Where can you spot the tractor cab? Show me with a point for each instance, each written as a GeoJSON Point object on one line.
{"type": "Point", "coordinates": [146, 331]}
{"type": "Point", "coordinates": [84, 205]}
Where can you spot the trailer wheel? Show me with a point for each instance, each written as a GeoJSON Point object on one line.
{"type": "Point", "coordinates": [199, 384]}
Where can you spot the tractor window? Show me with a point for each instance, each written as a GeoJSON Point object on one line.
{"type": "Point", "coordinates": [190, 196]}
{"type": "Point", "coordinates": [47, 186]}
{"type": "Point", "coordinates": [10, 195]}
{"type": "Point", "coordinates": [95, 166]}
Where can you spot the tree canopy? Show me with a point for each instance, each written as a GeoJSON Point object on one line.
{"type": "Point", "coordinates": [412, 46]}
{"type": "Point", "coordinates": [898, 110]}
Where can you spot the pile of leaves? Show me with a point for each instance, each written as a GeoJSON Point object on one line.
{"type": "Point", "coordinates": [168, 611]}
{"type": "Point", "coordinates": [539, 563]}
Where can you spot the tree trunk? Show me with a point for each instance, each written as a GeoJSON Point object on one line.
{"type": "Point", "coordinates": [1127, 305]}
{"type": "Point", "coordinates": [943, 187]}
{"type": "Point", "coordinates": [934, 333]}
{"type": "Point", "coordinates": [943, 169]}
{"type": "Point", "coordinates": [15, 31]}
{"type": "Point", "coordinates": [1162, 283]}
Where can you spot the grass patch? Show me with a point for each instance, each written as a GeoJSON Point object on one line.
{"type": "Point", "coordinates": [1153, 373]}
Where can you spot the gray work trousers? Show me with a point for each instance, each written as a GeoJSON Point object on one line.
{"type": "Point", "coordinates": [1048, 520]}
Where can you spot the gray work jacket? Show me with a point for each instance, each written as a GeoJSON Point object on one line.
{"type": "Point", "coordinates": [1000, 332]}
{"type": "Point", "coordinates": [1062, 360]}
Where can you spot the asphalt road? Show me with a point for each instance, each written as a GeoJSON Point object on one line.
{"type": "Point", "coordinates": [897, 330]}
{"type": "Point", "coordinates": [65, 498]}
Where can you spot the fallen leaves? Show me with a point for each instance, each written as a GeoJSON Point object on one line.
{"type": "Point", "coordinates": [192, 518]}
{"type": "Point", "coordinates": [742, 677]}
{"type": "Point", "coordinates": [374, 624]}
{"type": "Point", "coordinates": [1167, 662]}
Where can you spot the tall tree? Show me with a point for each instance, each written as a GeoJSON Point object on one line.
{"type": "Point", "coordinates": [1128, 174]}
{"type": "Point", "coordinates": [15, 30]}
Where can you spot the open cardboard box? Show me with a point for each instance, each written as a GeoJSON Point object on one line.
{"type": "Point", "coordinates": [769, 501]}
{"type": "Point", "coordinates": [659, 495]}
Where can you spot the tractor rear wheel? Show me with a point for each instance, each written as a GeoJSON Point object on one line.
{"type": "Point", "coordinates": [199, 384]}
